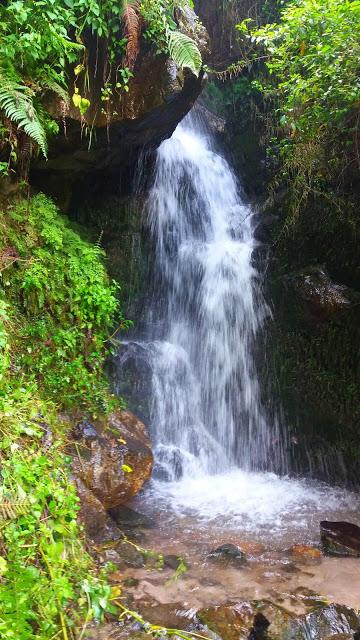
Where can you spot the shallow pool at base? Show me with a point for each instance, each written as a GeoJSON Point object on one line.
{"type": "Point", "coordinates": [263, 514]}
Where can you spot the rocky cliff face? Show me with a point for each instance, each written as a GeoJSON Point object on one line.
{"type": "Point", "coordinates": [220, 18]}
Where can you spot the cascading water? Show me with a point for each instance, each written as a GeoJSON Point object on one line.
{"type": "Point", "coordinates": [207, 308]}
{"type": "Point", "coordinates": [213, 443]}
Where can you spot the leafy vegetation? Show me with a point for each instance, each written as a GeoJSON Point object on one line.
{"type": "Point", "coordinates": [47, 582]}
{"type": "Point", "coordinates": [57, 285]}
{"type": "Point", "coordinates": [154, 630]}
{"type": "Point", "coordinates": [57, 305]}
{"type": "Point", "coordinates": [56, 312]}
{"type": "Point", "coordinates": [162, 30]}
{"type": "Point", "coordinates": [311, 56]}
{"type": "Point", "coordinates": [44, 47]}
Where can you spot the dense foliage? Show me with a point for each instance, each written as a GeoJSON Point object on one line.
{"type": "Point", "coordinates": [57, 286]}
{"type": "Point", "coordinates": [43, 48]}
{"type": "Point", "coordinates": [312, 57]}
{"type": "Point", "coordinates": [56, 313]}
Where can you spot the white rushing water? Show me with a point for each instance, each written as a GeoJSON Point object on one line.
{"type": "Point", "coordinates": [272, 508]}
{"type": "Point", "coordinates": [207, 413]}
{"type": "Point", "coordinates": [214, 444]}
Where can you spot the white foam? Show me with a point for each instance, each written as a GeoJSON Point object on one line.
{"type": "Point", "coordinates": [257, 503]}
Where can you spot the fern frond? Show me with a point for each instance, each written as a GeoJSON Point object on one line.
{"type": "Point", "coordinates": [55, 87]}
{"type": "Point", "coordinates": [184, 51]}
{"type": "Point", "coordinates": [10, 510]}
{"type": "Point", "coordinates": [17, 104]}
{"type": "Point", "coordinates": [132, 24]}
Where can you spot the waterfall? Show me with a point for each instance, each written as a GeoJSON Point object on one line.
{"type": "Point", "coordinates": [205, 315]}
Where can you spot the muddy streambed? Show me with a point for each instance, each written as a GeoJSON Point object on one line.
{"type": "Point", "coordinates": [263, 515]}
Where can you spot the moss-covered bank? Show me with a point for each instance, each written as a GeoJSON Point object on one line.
{"type": "Point", "coordinates": [57, 307]}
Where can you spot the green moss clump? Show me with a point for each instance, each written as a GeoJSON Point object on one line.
{"type": "Point", "coordinates": [61, 303]}
{"type": "Point", "coordinates": [56, 311]}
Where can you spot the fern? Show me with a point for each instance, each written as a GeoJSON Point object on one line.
{"type": "Point", "coordinates": [132, 25]}
{"type": "Point", "coordinates": [51, 84]}
{"type": "Point", "coordinates": [184, 51]}
{"type": "Point", "coordinates": [17, 103]}
{"type": "Point", "coordinates": [161, 30]}
{"type": "Point", "coordinates": [10, 510]}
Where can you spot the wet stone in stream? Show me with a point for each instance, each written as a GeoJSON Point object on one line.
{"type": "Point", "coordinates": [229, 621]}
{"type": "Point", "coordinates": [263, 619]}
{"type": "Point", "coordinates": [174, 562]}
{"type": "Point", "coordinates": [128, 518]}
{"type": "Point", "coordinates": [306, 554]}
{"type": "Point", "coordinates": [340, 538]}
{"type": "Point", "coordinates": [171, 616]}
{"type": "Point", "coordinates": [228, 553]}
{"type": "Point", "coordinates": [327, 621]}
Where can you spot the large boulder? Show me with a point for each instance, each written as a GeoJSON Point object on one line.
{"type": "Point", "coordinates": [113, 457]}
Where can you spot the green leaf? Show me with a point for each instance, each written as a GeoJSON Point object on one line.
{"type": "Point", "coordinates": [184, 51]}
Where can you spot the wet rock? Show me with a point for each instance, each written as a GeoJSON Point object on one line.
{"type": "Point", "coordinates": [135, 535]}
{"type": "Point", "coordinates": [130, 367]}
{"type": "Point", "coordinates": [210, 582]}
{"type": "Point", "coordinates": [85, 429]}
{"type": "Point", "coordinates": [309, 598]}
{"type": "Point", "coordinates": [159, 96]}
{"type": "Point", "coordinates": [263, 226]}
{"type": "Point", "coordinates": [213, 121]}
{"type": "Point", "coordinates": [342, 636]}
{"type": "Point", "coordinates": [116, 631]}
{"type": "Point", "coordinates": [264, 619]}
{"type": "Point", "coordinates": [165, 615]}
{"type": "Point", "coordinates": [326, 622]}
{"type": "Point", "coordinates": [172, 561]}
{"type": "Point", "coordinates": [229, 621]}
{"type": "Point", "coordinates": [306, 554]}
{"type": "Point", "coordinates": [228, 553]}
{"type": "Point", "coordinates": [259, 628]}
{"type": "Point", "coordinates": [320, 297]}
{"type": "Point", "coordinates": [189, 24]}
{"type": "Point", "coordinates": [98, 526]}
{"type": "Point", "coordinates": [340, 538]}
{"type": "Point", "coordinates": [128, 518]}
{"type": "Point", "coordinates": [219, 20]}
{"type": "Point", "coordinates": [130, 555]}
{"type": "Point", "coordinates": [250, 547]}
{"type": "Point", "coordinates": [280, 620]}
{"type": "Point", "coordinates": [170, 464]}
{"type": "Point", "coordinates": [112, 458]}
{"type": "Point", "coordinates": [111, 555]}
{"type": "Point", "coordinates": [130, 582]}
{"type": "Point", "coordinates": [109, 534]}
{"type": "Point", "coordinates": [92, 513]}
{"type": "Point", "coordinates": [289, 567]}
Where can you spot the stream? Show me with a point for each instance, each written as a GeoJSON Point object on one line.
{"type": "Point", "coordinates": [221, 457]}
